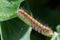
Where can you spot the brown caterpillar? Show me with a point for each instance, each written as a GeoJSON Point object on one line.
{"type": "Point", "coordinates": [37, 26]}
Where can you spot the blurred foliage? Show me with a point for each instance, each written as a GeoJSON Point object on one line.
{"type": "Point", "coordinates": [58, 28]}
{"type": "Point", "coordinates": [15, 29]}
{"type": "Point", "coordinates": [8, 9]}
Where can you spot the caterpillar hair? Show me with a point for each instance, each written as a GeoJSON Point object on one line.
{"type": "Point", "coordinates": [37, 26]}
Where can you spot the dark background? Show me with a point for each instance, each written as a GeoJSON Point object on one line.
{"type": "Point", "coordinates": [47, 11]}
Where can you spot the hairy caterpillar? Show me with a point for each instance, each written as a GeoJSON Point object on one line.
{"type": "Point", "coordinates": [37, 26]}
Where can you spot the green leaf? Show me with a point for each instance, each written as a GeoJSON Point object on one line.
{"type": "Point", "coordinates": [58, 28]}
{"type": "Point", "coordinates": [27, 35]}
{"type": "Point", "coordinates": [15, 29]}
{"type": "Point", "coordinates": [8, 9]}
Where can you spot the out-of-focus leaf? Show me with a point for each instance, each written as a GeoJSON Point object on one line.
{"type": "Point", "coordinates": [56, 36]}
{"type": "Point", "coordinates": [58, 28]}
{"type": "Point", "coordinates": [15, 29]}
{"type": "Point", "coordinates": [8, 9]}
{"type": "Point", "coordinates": [27, 35]}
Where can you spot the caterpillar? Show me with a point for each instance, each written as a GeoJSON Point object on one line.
{"type": "Point", "coordinates": [37, 26]}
